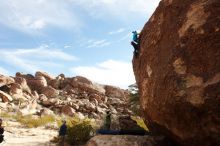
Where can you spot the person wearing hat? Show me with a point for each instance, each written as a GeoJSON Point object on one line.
{"type": "Point", "coordinates": [135, 42]}
{"type": "Point", "coordinates": [62, 133]}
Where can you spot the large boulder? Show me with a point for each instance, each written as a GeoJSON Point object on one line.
{"type": "Point", "coordinates": [127, 140]}
{"type": "Point", "coordinates": [127, 123]}
{"type": "Point", "coordinates": [5, 97]}
{"type": "Point", "coordinates": [83, 80]}
{"type": "Point", "coordinates": [22, 81]}
{"type": "Point", "coordinates": [178, 71]}
{"type": "Point", "coordinates": [35, 83]}
{"type": "Point", "coordinates": [49, 91]}
{"type": "Point", "coordinates": [46, 112]}
{"type": "Point", "coordinates": [67, 110]}
{"type": "Point", "coordinates": [15, 89]}
{"type": "Point", "coordinates": [4, 80]}
{"type": "Point", "coordinates": [112, 91]}
{"type": "Point", "coordinates": [47, 76]}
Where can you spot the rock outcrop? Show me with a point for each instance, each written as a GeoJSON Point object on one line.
{"type": "Point", "coordinates": [113, 140]}
{"type": "Point", "coordinates": [4, 80]}
{"type": "Point", "coordinates": [178, 71]}
{"type": "Point", "coordinates": [43, 94]}
{"type": "Point", "coordinates": [127, 140]}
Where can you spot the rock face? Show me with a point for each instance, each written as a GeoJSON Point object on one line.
{"type": "Point", "coordinates": [127, 140]}
{"type": "Point", "coordinates": [122, 140]}
{"type": "Point", "coordinates": [178, 71]}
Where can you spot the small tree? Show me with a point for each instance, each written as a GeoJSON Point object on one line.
{"type": "Point", "coordinates": [134, 98]}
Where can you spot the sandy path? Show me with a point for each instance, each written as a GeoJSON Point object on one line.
{"type": "Point", "coordinates": [16, 135]}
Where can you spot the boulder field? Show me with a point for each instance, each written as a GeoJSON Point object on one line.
{"type": "Point", "coordinates": [43, 94]}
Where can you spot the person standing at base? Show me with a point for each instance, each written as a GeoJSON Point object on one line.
{"type": "Point", "coordinates": [108, 120]}
{"type": "Point", "coordinates": [62, 133]}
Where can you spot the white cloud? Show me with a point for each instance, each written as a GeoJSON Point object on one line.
{"type": "Point", "coordinates": [117, 31]}
{"type": "Point", "coordinates": [33, 15]}
{"type": "Point", "coordinates": [124, 8]}
{"type": "Point", "coordinates": [35, 59]}
{"type": "Point", "coordinates": [67, 46]}
{"type": "Point", "coordinates": [127, 36]}
{"type": "Point", "coordinates": [110, 72]}
{"type": "Point", "coordinates": [4, 71]}
{"type": "Point", "coordinates": [98, 43]}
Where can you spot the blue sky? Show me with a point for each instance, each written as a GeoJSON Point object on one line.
{"type": "Point", "coordinates": [90, 38]}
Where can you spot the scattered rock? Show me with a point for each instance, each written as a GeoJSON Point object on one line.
{"type": "Point", "coordinates": [16, 89]}
{"type": "Point", "coordinates": [115, 92]}
{"type": "Point", "coordinates": [47, 76]}
{"type": "Point", "coordinates": [5, 97]}
{"type": "Point", "coordinates": [67, 110]}
{"type": "Point", "coordinates": [46, 111]}
{"type": "Point", "coordinates": [121, 140]}
{"type": "Point", "coordinates": [69, 96]}
{"type": "Point", "coordinates": [49, 91]}
{"type": "Point", "coordinates": [4, 80]}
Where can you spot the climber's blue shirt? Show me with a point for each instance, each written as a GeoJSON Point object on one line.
{"type": "Point", "coordinates": [135, 37]}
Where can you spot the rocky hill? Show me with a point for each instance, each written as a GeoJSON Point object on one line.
{"type": "Point", "coordinates": [44, 94]}
{"type": "Point", "coordinates": [178, 71]}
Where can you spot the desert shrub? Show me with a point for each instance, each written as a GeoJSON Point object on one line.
{"type": "Point", "coordinates": [79, 131]}
{"type": "Point", "coordinates": [5, 115]}
{"type": "Point", "coordinates": [31, 122]}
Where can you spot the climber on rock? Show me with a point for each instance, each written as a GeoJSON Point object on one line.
{"type": "Point", "coordinates": [135, 42]}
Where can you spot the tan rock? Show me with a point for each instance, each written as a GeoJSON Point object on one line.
{"type": "Point", "coordinates": [19, 97]}
{"type": "Point", "coordinates": [46, 111]}
{"type": "Point", "coordinates": [75, 106]}
{"type": "Point", "coordinates": [82, 80]}
{"type": "Point", "coordinates": [80, 115]}
{"type": "Point", "coordinates": [4, 80]}
{"type": "Point", "coordinates": [3, 105]}
{"type": "Point", "coordinates": [43, 97]}
{"type": "Point", "coordinates": [37, 83]}
{"type": "Point", "coordinates": [16, 89]}
{"type": "Point", "coordinates": [114, 92]}
{"type": "Point", "coordinates": [67, 110]}
{"type": "Point", "coordinates": [121, 140]}
{"type": "Point", "coordinates": [22, 81]}
{"type": "Point", "coordinates": [49, 91]}
{"type": "Point", "coordinates": [47, 103]}
{"type": "Point", "coordinates": [5, 97]}
{"type": "Point", "coordinates": [47, 76]}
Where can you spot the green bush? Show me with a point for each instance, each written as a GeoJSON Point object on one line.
{"type": "Point", "coordinates": [134, 99]}
{"type": "Point", "coordinates": [79, 131]}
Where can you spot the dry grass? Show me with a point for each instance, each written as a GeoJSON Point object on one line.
{"type": "Point", "coordinates": [140, 122]}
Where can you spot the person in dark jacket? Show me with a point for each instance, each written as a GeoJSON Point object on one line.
{"type": "Point", "coordinates": [62, 133]}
